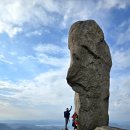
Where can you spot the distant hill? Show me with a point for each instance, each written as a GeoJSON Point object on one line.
{"type": "Point", "coordinates": [123, 125]}
{"type": "Point", "coordinates": [33, 126]}
{"type": "Point", "coordinates": [5, 127]}
{"type": "Point", "coordinates": [40, 128]}
{"type": "Point", "coordinates": [29, 127]}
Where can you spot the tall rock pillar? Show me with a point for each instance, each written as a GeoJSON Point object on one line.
{"type": "Point", "coordinates": [89, 73]}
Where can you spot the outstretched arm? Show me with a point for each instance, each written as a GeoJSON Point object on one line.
{"type": "Point", "coordinates": [70, 109]}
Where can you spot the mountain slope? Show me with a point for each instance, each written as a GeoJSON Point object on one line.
{"type": "Point", "coordinates": [5, 127]}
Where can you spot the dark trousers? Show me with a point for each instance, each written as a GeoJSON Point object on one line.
{"type": "Point", "coordinates": [74, 125]}
{"type": "Point", "coordinates": [66, 123]}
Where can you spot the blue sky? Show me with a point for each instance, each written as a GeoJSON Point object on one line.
{"type": "Point", "coordinates": [34, 56]}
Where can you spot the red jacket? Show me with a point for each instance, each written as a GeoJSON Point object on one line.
{"type": "Point", "coordinates": [75, 119]}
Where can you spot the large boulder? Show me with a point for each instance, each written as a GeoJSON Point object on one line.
{"type": "Point", "coordinates": [89, 73]}
{"type": "Point", "coordinates": [107, 128]}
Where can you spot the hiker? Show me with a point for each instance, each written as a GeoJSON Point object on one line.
{"type": "Point", "coordinates": [75, 122]}
{"type": "Point", "coordinates": [67, 116]}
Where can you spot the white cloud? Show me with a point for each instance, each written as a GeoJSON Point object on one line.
{"type": "Point", "coordinates": [13, 53]}
{"type": "Point", "coordinates": [34, 33]}
{"type": "Point", "coordinates": [51, 5]}
{"type": "Point", "coordinates": [119, 98]}
{"type": "Point", "coordinates": [4, 60]}
{"type": "Point", "coordinates": [40, 97]}
{"type": "Point", "coordinates": [64, 39]}
{"type": "Point", "coordinates": [121, 59]}
{"type": "Point", "coordinates": [8, 111]}
{"type": "Point", "coordinates": [47, 89]}
{"type": "Point", "coordinates": [123, 34]}
{"type": "Point", "coordinates": [72, 12]}
{"type": "Point", "coordinates": [9, 29]}
{"type": "Point", "coordinates": [48, 54]}
{"type": "Point", "coordinates": [83, 10]}
{"type": "Point", "coordinates": [108, 4]}
{"type": "Point", "coordinates": [16, 14]}
{"type": "Point", "coordinates": [10, 17]}
{"type": "Point", "coordinates": [52, 55]}
{"type": "Point", "coordinates": [50, 49]}
{"type": "Point", "coordinates": [24, 59]}
{"type": "Point", "coordinates": [51, 60]}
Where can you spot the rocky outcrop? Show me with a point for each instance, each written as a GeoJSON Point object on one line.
{"type": "Point", "coordinates": [108, 128]}
{"type": "Point", "coordinates": [89, 72]}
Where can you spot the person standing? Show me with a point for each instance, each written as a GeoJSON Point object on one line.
{"type": "Point", "coordinates": [75, 122]}
{"type": "Point", "coordinates": [67, 116]}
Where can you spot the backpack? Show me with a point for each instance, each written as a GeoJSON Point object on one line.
{"type": "Point", "coordinates": [66, 114]}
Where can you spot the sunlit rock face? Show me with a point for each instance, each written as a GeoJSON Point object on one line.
{"type": "Point", "coordinates": [89, 73]}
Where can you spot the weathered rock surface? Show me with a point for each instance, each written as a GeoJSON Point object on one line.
{"type": "Point", "coordinates": [89, 72]}
{"type": "Point", "coordinates": [108, 128]}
